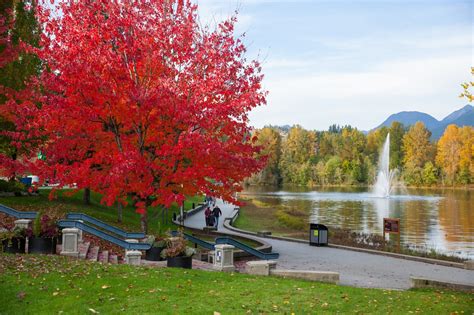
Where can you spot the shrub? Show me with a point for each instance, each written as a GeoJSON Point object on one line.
{"type": "Point", "coordinates": [290, 221]}
{"type": "Point", "coordinates": [11, 186]}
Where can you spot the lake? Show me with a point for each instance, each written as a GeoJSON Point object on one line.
{"type": "Point", "coordinates": [440, 219]}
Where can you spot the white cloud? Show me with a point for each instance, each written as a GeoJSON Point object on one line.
{"type": "Point", "coordinates": [365, 98]}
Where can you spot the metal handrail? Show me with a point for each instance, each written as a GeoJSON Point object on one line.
{"type": "Point", "coordinates": [230, 241]}
{"type": "Point", "coordinates": [246, 248]}
{"type": "Point", "coordinates": [103, 225]}
{"type": "Point", "coordinates": [18, 214]}
{"type": "Point", "coordinates": [200, 242]}
{"type": "Point", "coordinates": [99, 233]}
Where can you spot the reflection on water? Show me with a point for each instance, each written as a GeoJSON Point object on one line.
{"type": "Point", "coordinates": [438, 219]}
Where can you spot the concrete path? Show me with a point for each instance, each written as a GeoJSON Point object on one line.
{"type": "Point", "coordinates": [355, 268]}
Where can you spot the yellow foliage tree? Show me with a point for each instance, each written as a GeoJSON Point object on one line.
{"type": "Point", "coordinates": [448, 152]}
{"type": "Point", "coordinates": [269, 141]}
{"type": "Point", "coordinates": [417, 146]}
{"type": "Point", "coordinates": [467, 86]}
{"type": "Point", "coordinates": [466, 155]}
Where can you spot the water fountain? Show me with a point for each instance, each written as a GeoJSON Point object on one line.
{"type": "Point", "coordinates": [385, 177]}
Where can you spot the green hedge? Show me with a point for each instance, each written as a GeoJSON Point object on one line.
{"type": "Point", "coordinates": [11, 186]}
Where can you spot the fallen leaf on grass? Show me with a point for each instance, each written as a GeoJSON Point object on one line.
{"type": "Point", "coordinates": [55, 293]}
{"type": "Point", "coordinates": [21, 295]}
{"type": "Point", "coordinates": [105, 286]}
{"type": "Point", "coordinates": [93, 311]}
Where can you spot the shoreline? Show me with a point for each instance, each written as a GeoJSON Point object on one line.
{"type": "Point", "coordinates": [469, 187]}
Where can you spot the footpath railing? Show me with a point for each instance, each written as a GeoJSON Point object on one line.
{"type": "Point", "coordinates": [246, 248]}
{"type": "Point", "coordinates": [18, 214]}
{"type": "Point", "coordinates": [195, 240]}
{"type": "Point", "coordinates": [99, 233]}
{"type": "Point", "coordinates": [230, 241]}
{"type": "Point", "coordinates": [74, 221]}
{"type": "Point", "coordinates": [102, 229]}
{"type": "Point", "coordinates": [103, 225]}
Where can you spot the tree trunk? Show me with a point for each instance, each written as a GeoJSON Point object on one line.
{"type": "Point", "coordinates": [119, 212]}
{"type": "Point", "coordinates": [86, 197]}
{"type": "Point", "coordinates": [144, 223]}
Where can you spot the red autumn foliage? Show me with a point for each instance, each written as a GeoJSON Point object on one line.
{"type": "Point", "coordinates": [138, 100]}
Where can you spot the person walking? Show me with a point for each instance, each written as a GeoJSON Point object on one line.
{"type": "Point", "coordinates": [211, 219]}
{"type": "Point", "coordinates": [217, 213]}
{"type": "Point", "coordinates": [207, 214]}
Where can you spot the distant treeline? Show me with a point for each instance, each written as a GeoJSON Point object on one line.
{"type": "Point", "coordinates": [347, 156]}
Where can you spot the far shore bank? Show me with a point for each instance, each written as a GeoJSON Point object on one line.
{"type": "Point", "coordinates": [443, 187]}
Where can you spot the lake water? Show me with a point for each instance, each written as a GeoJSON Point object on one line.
{"type": "Point", "coordinates": [429, 218]}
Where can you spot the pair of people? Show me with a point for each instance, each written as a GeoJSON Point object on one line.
{"type": "Point", "coordinates": [212, 216]}
{"type": "Point", "coordinates": [209, 200]}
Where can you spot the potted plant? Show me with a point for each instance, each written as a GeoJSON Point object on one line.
{"type": "Point", "coordinates": [157, 245]}
{"type": "Point", "coordinates": [177, 254]}
{"type": "Point", "coordinates": [45, 235]}
{"type": "Point", "coordinates": [13, 240]}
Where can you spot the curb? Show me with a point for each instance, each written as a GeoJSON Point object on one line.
{"type": "Point", "coordinates": [422, 283]}
{"type": "Point", "coordinates": [433, 261]}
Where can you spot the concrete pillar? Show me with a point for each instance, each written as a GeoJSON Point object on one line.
{"type": "Point", "coordinates": [133, 257]}
{"type": "Point", "coordinates": [70, 242]}
{"type": "Point", "coordinates": [22, 223]}
{"type": "Point", "coordinates": [224, 257]}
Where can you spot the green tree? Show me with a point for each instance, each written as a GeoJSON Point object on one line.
{"type": "Point", "coordinates": [375, 141]}
{"type": "Point", "coordinates": [397, 131]}
{"type": "Point", "coordinates": [298, 149]}
{"type": "Point", "coordinates": [15, 73]}
{"type": "Point", "coordinates": [430, 174]}
{"type": "Point", "coordinates": [333, 170]}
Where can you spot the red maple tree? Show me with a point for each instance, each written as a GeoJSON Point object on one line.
{"type": "Point", "coordinates": [137, 99]}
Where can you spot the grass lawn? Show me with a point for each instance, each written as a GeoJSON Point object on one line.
{"type": "Point", "coordinates": [59, 285]}
{"type": "Point", "coordinates": [65, 203]}
{"type": "Point", "coordinates": [257, 216]}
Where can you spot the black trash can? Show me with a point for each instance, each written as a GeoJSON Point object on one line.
{"type": "Point", "coordinates": [318, 235]}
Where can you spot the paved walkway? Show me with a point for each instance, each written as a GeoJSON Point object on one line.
{"type": "Point", "coordinates": [355, 268]}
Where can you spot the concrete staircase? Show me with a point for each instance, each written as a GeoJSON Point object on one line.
{"type": "Point", "coordinates": [93, 253]}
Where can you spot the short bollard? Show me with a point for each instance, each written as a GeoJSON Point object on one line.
{"type": "Point", "coordinates": [133, 257]}
{"type": "Point", "coordinates": [224, 257]}
{"type": "Point", "coordinates": [70, 242]}
{"type": "Point", "coordinates": [130, 240]}
{"type": "Point", "coordinates": [22, 223]}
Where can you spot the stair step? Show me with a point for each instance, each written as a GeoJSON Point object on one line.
{"type": "Point", "coordinates": [84, 249]}
{"type": "Point", "coordinates": [59, 248]}
{"type": "Point", "coordinates": [93, 253]}
{"type": "Point", "coordinates": [104, 256]}
{"type": "Point", "coordinates": [113, 259]}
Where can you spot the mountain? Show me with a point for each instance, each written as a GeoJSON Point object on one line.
{"type": "Point", "coordinates": [458, 114]}
{"type": "Point", "coordinates": [461, 117]}
{"type": "Point", "coordinates": [410, 118]}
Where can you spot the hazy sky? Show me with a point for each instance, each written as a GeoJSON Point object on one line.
{"type": "Point", "coordinates": [354, 62]}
